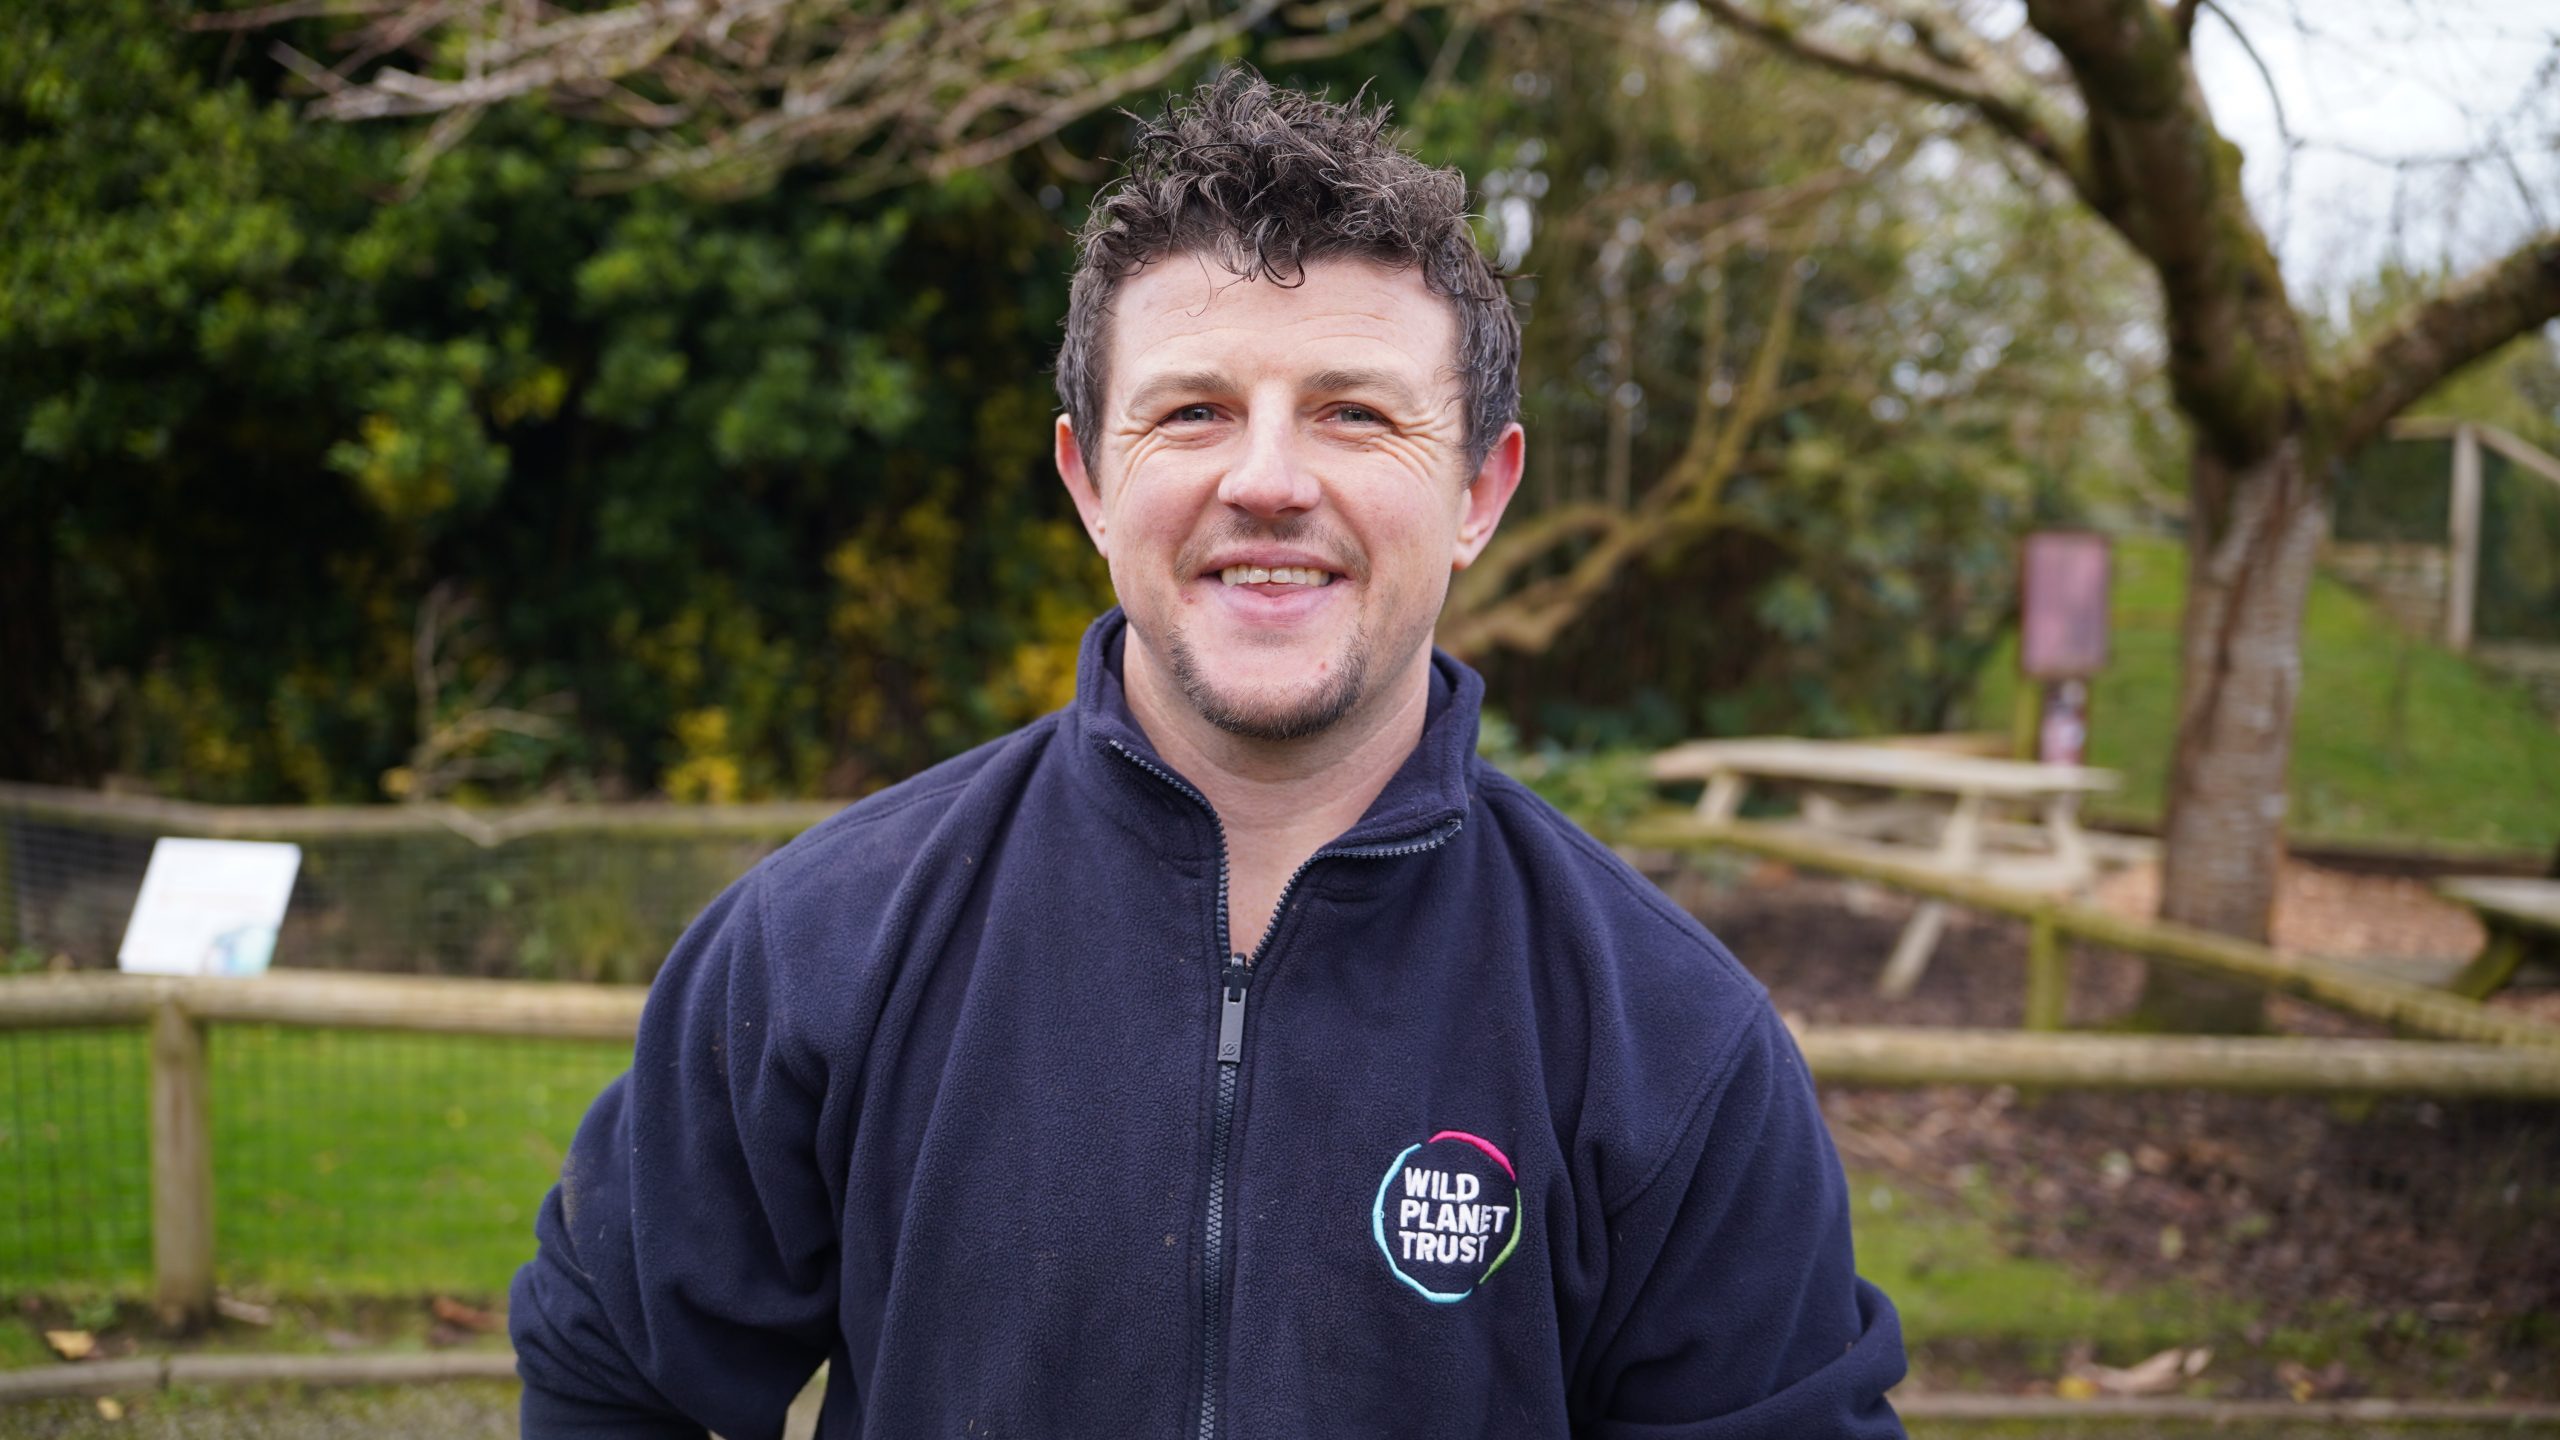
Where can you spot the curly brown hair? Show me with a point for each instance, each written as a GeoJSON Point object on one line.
{"type": "Point", "coordinates": [1264, 181]}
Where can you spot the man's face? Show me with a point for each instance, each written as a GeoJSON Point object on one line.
{"type": "Point", "coordinates": [1281, 486]}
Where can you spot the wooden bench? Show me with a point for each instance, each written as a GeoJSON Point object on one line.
{"type": "Point", "coordinates": [2053, 854]}
{"type": "Point", "coordinates": [2523, 920]}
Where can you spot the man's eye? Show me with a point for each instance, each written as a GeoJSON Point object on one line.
{"type": "Point", "coordinates": [1192, 415]}
{"type": "Point", "coordinates": [1359, 415]}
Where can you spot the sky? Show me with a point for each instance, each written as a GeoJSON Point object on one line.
{"type": "Point", "coordinates": [2380, 97]}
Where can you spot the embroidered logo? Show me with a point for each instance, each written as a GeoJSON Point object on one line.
{"type": "Point", "coordinates": [1447, 1215]}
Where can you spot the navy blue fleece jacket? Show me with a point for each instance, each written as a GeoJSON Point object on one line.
{"type": "Point", "coordinates": [967, 1091]}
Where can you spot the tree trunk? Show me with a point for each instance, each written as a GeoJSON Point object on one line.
{"type": "Point", "coordinates": [2255, 532]}
{"type": "Point", "coordinates": [2146, 157]}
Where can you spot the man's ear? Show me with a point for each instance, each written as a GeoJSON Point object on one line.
{"type": "Point", "coordinates": [1080, 486]}
{"type": "Point", "coordinates": [1487, 495]}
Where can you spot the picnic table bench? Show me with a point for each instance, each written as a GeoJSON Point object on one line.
{"type": "Point", "coordinates": [2523, 920]}
{"type": "Point", "coordinates": [2052, 853]}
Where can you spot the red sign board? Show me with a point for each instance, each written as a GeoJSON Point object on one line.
{"type": "Point", "coordinates": [2062, 603]}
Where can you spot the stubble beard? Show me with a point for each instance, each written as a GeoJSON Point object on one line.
{"type": "Point", "coordinates": [1280, 721]}
{"type": "Point", "coordinates": [1311, 715]}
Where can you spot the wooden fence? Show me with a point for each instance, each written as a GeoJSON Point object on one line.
{"type": "Point", "coordinates": [177, 1013]}
{"type": "Point", "coordinates": [2401, 1004]}
{"type": "Point", "coordinates": [2489, 1054]}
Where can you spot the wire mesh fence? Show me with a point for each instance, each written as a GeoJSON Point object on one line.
{"type": "Point", "coordinates": [2391, 519]}
{"type": "Point", "coordinates": [422, 1172]}
{"type": "Point", "coordinates": [571, 892]}
{"type": "Point", "coordinates": [2519, 555]}
{"type": "Point", "coordinates": [345, 1161]}
{"type": "Point", "coordinates": [75, 1184]}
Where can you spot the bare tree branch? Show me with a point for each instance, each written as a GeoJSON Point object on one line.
{"type": "Point", "coordinates": [2433, 337]}
{"type": "Point", "coordinates": [1680, 507]}
{"type": "Point", "coordinates": [724, 94]}
{"type": "Point", "coordinates": [1069, 109]}
{"type": "Point", "coordinates": [2017, 110]}
{"type": "Point", "coordinates": [2168, 182]}
{"type": "Point", "coordinates": [265, 15]}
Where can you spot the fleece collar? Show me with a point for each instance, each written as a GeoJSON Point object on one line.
{"type": "Point", "coordinates": [1429, 793]}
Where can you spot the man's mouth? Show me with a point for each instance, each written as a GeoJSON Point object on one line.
{"type": "Point", "coordinates": [1276, 575]}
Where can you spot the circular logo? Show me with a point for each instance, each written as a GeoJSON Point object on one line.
{"type": "Point", "coordinates": [1447, 1216]}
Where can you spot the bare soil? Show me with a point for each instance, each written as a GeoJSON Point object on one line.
{"type": "Point", "coordinates": [2391, 1247]}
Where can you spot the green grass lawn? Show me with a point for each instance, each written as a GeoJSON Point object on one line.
{"type": "Point", "coordinates": [2396, 738]}
{"type": "Point", "coordinates": [345, 1162]}
{"type": "Point", "coordinates": [1977, 1316]}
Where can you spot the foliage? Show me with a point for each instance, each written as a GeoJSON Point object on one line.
{"type": "Point", "coordinates": [333, 480]}
{"type": "Point", "coordinates": [1601, 790]}
{"type": "Point", "coordinates": [691, 471]}
{"type": "Point", "coordinates": [1955, 376]}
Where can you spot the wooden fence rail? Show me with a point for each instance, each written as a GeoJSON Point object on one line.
{"type": "Point", "coordinates": [177, 1012]}
{"type": "Point", "coordinates": [148, 816]}
{"type": "Point", "coordinates": [2375, 997]}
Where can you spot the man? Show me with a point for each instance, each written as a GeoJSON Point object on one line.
{"type": "Point", "coordinates": [1233, 1053]}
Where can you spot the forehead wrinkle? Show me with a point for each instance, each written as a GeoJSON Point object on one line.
{"type": "Point", "coordinates": [1196, 308]}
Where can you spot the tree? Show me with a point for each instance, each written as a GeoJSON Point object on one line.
{"type": "Point", "coordinates": [1799, 365]}
{"type": "Point", "coordinates": [2101, 95]}
{"type": "Point", "coordinates": [313, 490]}
{"type": "Point", "coordinates": [1837, 545]}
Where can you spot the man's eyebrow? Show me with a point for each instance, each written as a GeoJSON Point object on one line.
{"type": "Point", "coordinates": [1145, 399]}
{"type": "Point", "coordinates": [1378, 381]}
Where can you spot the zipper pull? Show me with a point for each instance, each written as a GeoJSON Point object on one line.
{"type": "Point", "coordinates": [1231, 1012]}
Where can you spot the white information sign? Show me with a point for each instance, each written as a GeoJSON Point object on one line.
{"type": "Point", "coordinates": [209, 907]}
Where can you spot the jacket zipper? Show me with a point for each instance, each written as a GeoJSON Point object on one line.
{"type": "Point", "coordinates": [1235, 981]}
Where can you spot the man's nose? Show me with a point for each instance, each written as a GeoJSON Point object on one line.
{"type": "Point", "coordinates": [1270, 479]}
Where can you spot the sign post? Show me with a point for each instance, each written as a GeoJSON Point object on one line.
{"type": "Point", "coordinates": [2062, 636]}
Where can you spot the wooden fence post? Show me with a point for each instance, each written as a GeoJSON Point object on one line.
{"type": "Point", "coordinates": [2462, 540]}
{"type": "Point", "coordinates": [2048, 973]}
{"type": "Point", "coordinates": [181, 1170]}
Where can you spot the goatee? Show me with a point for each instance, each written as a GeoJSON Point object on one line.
{"type": "Point", "coordinates": [1312, 715]}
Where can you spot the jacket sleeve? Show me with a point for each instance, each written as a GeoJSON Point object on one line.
{"type": "Point", "coordinates": [686, 1272]}
{"type": "Point", "coordinates": [1734, 1308]}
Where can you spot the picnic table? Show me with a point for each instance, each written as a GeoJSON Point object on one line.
{"type": "Point", "coordinates": [2523, 921]}
{"type": "Point", "coordinates": [1949, 827]}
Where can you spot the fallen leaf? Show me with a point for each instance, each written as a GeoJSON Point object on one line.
{"type": "Point", "coordinates": [2074, 1387]}
{"type": "Point", "coordinates": [110, 1409]}
{"type": "Point", "coordinates": [72, 1344]}
{"type": "Point", "coordinates": [246, 1312]}
{"type": "Point", "coordinates": [454, 1312]}
{"type": "Point", "coordinates": [2331, 1381]}
{"type": "Point", "coordinates": [2155, 1376]}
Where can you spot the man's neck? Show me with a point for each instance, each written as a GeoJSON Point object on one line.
{"type": "Point", "coordinates": [1279, 801]}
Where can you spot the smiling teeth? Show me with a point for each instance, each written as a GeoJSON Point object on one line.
{"type": "Point", "coordinates": [1284, 575]}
